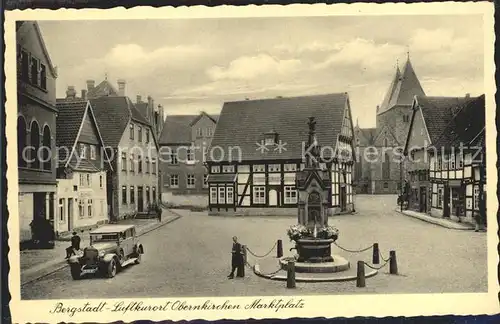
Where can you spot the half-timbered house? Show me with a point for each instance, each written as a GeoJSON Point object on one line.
{"type": "Point", "coordinates": [259, 146]}
{"type": "Point", "coordinates": [457, 165]}
{"type": "Point", "coordinates": [430, 115]}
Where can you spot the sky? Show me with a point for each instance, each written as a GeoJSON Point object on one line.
{"type": "Point", "coordinates": [194, 65]}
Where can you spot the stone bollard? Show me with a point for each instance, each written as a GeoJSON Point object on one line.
{"type": "Point", "coordinates": [376, 254]}
{"type": "Point", "coordinates": [279, 252]}
{"type": "Point", "coordinates": [360, 278]}
{"type": "Point", "coordinates": [393, 264]}
{"type": "Point", "coordinates": [290, 276]}
{"type": "Point", "coordinates": [241, 270]}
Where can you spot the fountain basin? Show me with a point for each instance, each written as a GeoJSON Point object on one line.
{"type": "Point", "coordinates": [338, 265]}
{"type": "Point", "coordinates": [314, 250]}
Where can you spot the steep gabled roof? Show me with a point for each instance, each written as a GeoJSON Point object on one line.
{"type": "Point", "coordinates": [403, 88]}
{"type": "Point", "coordinates": [467, 127]}
{"type": "Point", "coordinates": [143, 107]}
{"type": "Point", "coordinates": [103, 89]}
{"type": "Point", "coordinates": [177, 128]}
{"type": "Point", "coordinates": [243, 124]}
{"type": "Point", "coordinates": [438, 112]}
{"type": "Point", "coordinates": [200, 116]}
{"type": "Point", "coordinates": [38, 33]}
{"type": "Point", "coordinates": [366, 136]}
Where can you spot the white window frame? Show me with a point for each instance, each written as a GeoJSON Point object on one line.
{"type": "Point", "coordinates": [215, 169]}
{"type": "Point", "coordinates": [192, 177]}
{"type": "Point", "coordinates": [89, 180]}
{"type": "Point", "coordinates": [229, 195]}
{"type": "Point", "coordinates": [259, 195]}
{"type": "Point", "coordinates": [274, 168]}
{"type": "Point", "coordinates": [174, 158]}
{"type": "Point", "coordinates": [83, 151]}
{"type": "Point", "coordinates": [132, 164]}
{"type": "Point", "coordinates": [228, 169]}
{"type": "Point", "coordinates": [213, 195]}
{"type": "Point", "coordinates": [221, 199]}
{"type": "Point", "coordinates": [205, 180]}
{"type": "Point", "coordinates": [62, 210]}
{"type": "Point", "coordinates": [290, 167]}
{"type": "Point", "coordinates": [259, 168]}
{"type": "Point", "coordinates": [82, 180]}
{"type": "Point", "coordinates": [172, 177]}
{"type": "Point", "coordinates": [290, 195]}
{"type": "Point", "coordinates": [269, 141]}
{"type": "Point", "coordinates": [199, 132]}
{"type": "Point", "coordinates": [81, 207]}
{"type": "Point", "coordinates": [90, 207]}
{"type": "Point", "coordinates": [190, 156]}
{"type": "Point", "coordinates": [93, 152]}
{"type": "Point", "coordinates": [209, 131]}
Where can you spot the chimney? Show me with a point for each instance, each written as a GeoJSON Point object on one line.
{"type": "Point", "coordinates": [71, 93]}
{"type": "Point", "coordinates": [467, 95]}
{"type": "Point", "coordinates": [90, 85]}
{"type": "Point", "coordinates": [139, 99]}
{"type": "Point", "coordinates": [84, 94]}
{"type": "Point", "coordinates": [121, 87]}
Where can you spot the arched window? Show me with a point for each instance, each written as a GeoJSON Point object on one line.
{"type": "Point", "coordinates": [35, 145]}
{"type": "Point", "coordinates": [385, 142]}
{"type": "Point", "coordinates": [386, 167]}
{"type": "Point", "coordinates": [46, 151]}
{"type": "Point", "coordinates": [21, 141]}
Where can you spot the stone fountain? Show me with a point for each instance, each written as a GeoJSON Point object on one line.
{"type": "Point", "coordinates": [312, 235]}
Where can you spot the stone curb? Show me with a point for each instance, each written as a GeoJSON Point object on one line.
{"type": "Point", "coordinates": [298, 278]}
{"type": "Point", "coordinates": [437, 222]}
{"type": "Point", "coordinates": [63, 264]}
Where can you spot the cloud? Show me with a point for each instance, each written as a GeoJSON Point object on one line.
{"type": "Point", "coordinates": [252, 67]}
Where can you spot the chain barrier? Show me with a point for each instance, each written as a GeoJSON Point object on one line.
{"type": "Point", "coordinates": [382, 257]}
{"type": "Point", "coordinates": [377, 268]}
{"type": "Point", "coordinates": [353, 251]}
{"type": "Point", "coordinates": [263, 256]}
{"type": "Point", "coordinates": [264, 274]}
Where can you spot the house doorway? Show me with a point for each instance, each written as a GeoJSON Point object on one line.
{"type": "Point", "coordinates": [273, 198]}
{"type": "Point", "coordinates": [446, 201]}
{"type": "Point", "coordinates": [423, 200]}
{"type": "Point", "coordinates": [39, 207]}
{"type": "Point", "coordinates": [70, 214]}
{"type": "Point", "coordinates": [140, 200]}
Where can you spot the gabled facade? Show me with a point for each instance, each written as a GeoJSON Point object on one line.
{"type": "Point", "coordinates": [184, 141]}
{"type": "Point", "coordinates": [382, 171]}
{"type": "Point", "coordinates": [252, 170]}
{"type": "Point", "coordinates": [36, 128]}
{"type": "Point", "coordinates": [430, 115]}
{"type": "Point", "coordinates": [457, 170]}
{"type": "Point", "coordinates": [81, 173]}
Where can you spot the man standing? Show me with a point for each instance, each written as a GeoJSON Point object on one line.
{"type": "Point", "coordinates": [236, 257]}
{"type": "Point", "coordinates": [75, 245]}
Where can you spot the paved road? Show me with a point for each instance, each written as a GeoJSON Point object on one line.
{"type": "Point", "coordinates": [190, 257]}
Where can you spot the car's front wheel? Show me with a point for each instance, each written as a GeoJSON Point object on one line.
{"type": "Point", "coordinates": [76, 271]}
{"type": "Point", "coordinates": [138, 258]}
{"type": "Point", "coordinates": [111, 268]}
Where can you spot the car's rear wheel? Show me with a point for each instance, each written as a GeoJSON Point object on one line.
{"type": "Point", "coordinates": [111, 269]}
{"type": "Point", "coordinates": [76, 271]}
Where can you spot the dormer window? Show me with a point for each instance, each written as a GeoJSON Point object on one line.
{"type": "Point", "coordinates": [271, 138]}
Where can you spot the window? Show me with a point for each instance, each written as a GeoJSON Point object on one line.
{"type": "Point", "coordinates": [440, 198]}
{"type": "Point", "coordinates": [147, 165]}
{"type": "Point", "coordinates": [89, 180]}
{"type": "Point", "coordinates": [139, 134]}
{"type": "Point", "coordinates": [82, 180]}
{"type": "Point", "coordinates": [124, 161]}
{"type": "Point", "coordinates": [229, 196]}
{"type": "Point", "coordinates": [222, 195]}
{"type": "Point", "coordinates": [139, 164]}
{"type": "Point", "coordinates": [153, 166]}
{"type": "Point", "coordinates": [173, 158]}
{"type": "Point", "coordinates": [154, 194]}
{"type": "Point", "coordinates": [274, 167]}
{"type": "Point", "coordinates": [386, 167]}
{"type": "Point", "coordinates": [439, 162]}
{"type": "Point", "coordinates": [386, 143]}
{"type": "Point", "coordinates": [205, 180]}
{"type": "Point", "coordinates": [83, 151]}
{"type": "Point", "coordinates": [259, 195]}
{"type": "Point", "coordinates": [259, 179]}
{"type": "Point", "coordinates": [190, 180]}
{"type": "Point", "coordinates": [174, 180]}
{"type": "Point", "coordinates": [213, 195]}
{"type": "Point", "coordinates": [460, 161]}
{"type": "Point", "coordinates": [132, 164]}
{"type": "Point", "coordinates": [46, 149]}
{"type": "Point", "coordinates": [61, 210]}
{"type": "Point", "coordinates": [228, 169]}
{"type": "Point", "coordinates": [215, 169]}
{"type": "Point", "coordinates": [21, 141]}
{"type": "Point", "coordinates": [290, 167]}
{"type": "Point", "coordinates": [386, 185]}
{"type": "Point", "coordinates": [476, 197]}
{"type": "Point", "coordinates": [445, 164]}
{"type": "Point", "coordinates": [452, 162]}
{"type": "Point", "coordinates": [101, 181]}
{"type": "Point", "coordinates": [199, 132]}
{"type": "Point", "coordinates": [34, 71]}
{"type": "Point", "coordinates": [90, 207]}
{"type": "Point", "coordinates": [269, 141]}
{"type": "Point", "coordinates": [131, 130]}
{"type": "Point", "coordinates": [81, 208]}
{"type": "Point", "coordinates": [190, 155]}
{"type": "Point", "coordinates": [147, 135]}
{"type": "Point", "coordinates": [35, 144]}
{"type": "Point", "coordinates": [259, 168]}
{"type": "Point", "coordinates": [43, 77]}
{"type": "Point", "coordinates": [290, 195]}
{"type": "Point", "coordinates": [25, 66]}
{"type": "Point", "coordinates": [209, 131]}
{"type": "Point", "coordinates": [93, 152]}
{"type": "Point", "coordinates": [132, 195]}
{"type": "Point", "coordinates": [124, 195]}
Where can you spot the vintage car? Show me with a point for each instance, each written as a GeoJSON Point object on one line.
{"type": "Point", "coordinates": [112, 247]}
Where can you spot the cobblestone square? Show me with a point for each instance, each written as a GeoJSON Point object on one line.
{"type": "Point", "coordinates": [191, 257]}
